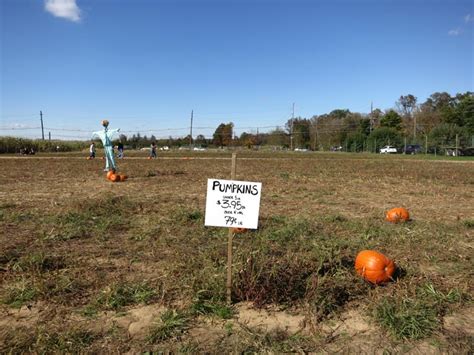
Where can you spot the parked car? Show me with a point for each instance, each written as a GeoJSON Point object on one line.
{"type": "Point", "coordinates": [301, 150]}
{"type": "Point", "coordinates": [388, 149]}
{"type": "Point", "coordinates": [412, 149]}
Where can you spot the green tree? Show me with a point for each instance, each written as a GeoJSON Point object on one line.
{"type": "Point", "coordinates": [364, 126]}
{"type": "Point", "coordinates": [223, 134]}
{"type": "Point", "coordinates": [391, 119]}
{"type": "Point", "coordinates": [355, 142]}
{"type": "Point", "coordinates": [277, 138]}
{"type": "Point", "coordinates": [384, 136]}
{"type": "Point", "coordinates": [407, 104]}
{"type": "Point", "coordinates": [300, 129]}
{"type": "Point", "coordinates": [444, 135]}
{"type": "Point", "coordinates": [465, 112]}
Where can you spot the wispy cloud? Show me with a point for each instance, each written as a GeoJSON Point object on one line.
{"type": "Point", "coordinates": [66, 9]}
{"type": "Point", "coordinates": [460, 29]}
{"type": "Point", "coordinates": [455, 32]}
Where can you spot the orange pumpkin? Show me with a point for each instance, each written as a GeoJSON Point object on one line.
{"type": "Point", "coordinates": [123, 177]}
{"type": "Point", "coordinates": [115, 178]}
{"type": "Point", "coordinates": [110, 173]}
{"type": "Point", "coordinates": [374, 266]}
{"type": "Point", "coordinates": [396, 215]}
{"type": "Point", "coordinates": [238, 230]}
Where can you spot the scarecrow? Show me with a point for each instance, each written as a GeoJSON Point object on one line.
{"type": "Point", "coordinates": [106, 137]}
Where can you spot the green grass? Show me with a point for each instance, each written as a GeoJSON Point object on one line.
{"type": "Point", "coordinates": [20, 293]}
{"type": "Point", "coordinates": [47, 341]}
{"type": "Point", "coordinates": [119, 295]}
{"type": "Point", "coordinates": [171, 324]}
{"type": "Point", "coordinates": [205, 303]}
{"type": "Point", "coordinates": [416, 316]}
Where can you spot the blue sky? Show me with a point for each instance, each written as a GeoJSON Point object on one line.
{"type": "Point", "coordinates": [144, 64]}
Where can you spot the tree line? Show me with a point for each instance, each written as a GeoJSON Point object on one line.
{"type": "Point", "coordinates": [442, 121]}
{"type": "Point", "coordinates": [438, 121]}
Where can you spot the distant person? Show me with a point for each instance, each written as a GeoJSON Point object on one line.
{"type": "Point", "coordinates": [153, 150]}
{"type": "Point", "coordinates": [92, 151]}
{"type": "Point", "coordinates": [120, 150]}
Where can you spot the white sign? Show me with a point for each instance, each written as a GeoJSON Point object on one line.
{"type": "Point", "coordinates": [231, 203]}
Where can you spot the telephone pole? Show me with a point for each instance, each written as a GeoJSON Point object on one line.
{"type": "Point", "coordinates": [371, 117]}
{"type": "Point", "coordinates": [414, 129]}
{"type": "Point", "coordinates": [42, 129]}
{"type": "Point", "coordinates": [291, 127]}
{"type": "Point", "coordinates": [191, 131]}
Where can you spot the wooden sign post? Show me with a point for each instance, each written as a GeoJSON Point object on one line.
{"type": "Point", "coordinates": [230, 236]}
{"type": "Point", "coordinates": [231, 204]}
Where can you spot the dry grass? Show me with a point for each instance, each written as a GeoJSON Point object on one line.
{"type": "Point", "coordinates": [77, 250]}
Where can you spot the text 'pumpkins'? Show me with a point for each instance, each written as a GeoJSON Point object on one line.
{"type": "Point", "coordinates": [374, 266]}
{"type": "Point", "coordinates": [396, 215]}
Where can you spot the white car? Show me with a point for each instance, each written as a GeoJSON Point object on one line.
{"type": "Point", "coordinates": [388, 149]}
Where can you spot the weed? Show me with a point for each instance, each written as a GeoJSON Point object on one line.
{"type": "Point", "coordinates": [38, 262]}
{"type": "Point", "coordinates": [418, 316]}
{"type": "Point", "coordinates": [274, 278]}
{"type": "Point", "coordinates": [20, 293]}
{"type": "Point", "coordinates": [120, 295]}
{"type": "Point", "coordinates": [205, 303]}
{"type": "Point", "coordinates": [187, 216]}
{"type": "Point", "coordinates": [469, 223]}
{"type": "Point", "coordinates": [407, 318]}
{"type": "Point", "coordinates": [172, 323]}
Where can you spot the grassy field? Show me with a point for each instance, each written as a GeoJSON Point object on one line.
{"type": "Point", "coordinates": [87, 265]}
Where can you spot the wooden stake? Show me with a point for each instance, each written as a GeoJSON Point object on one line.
{"type": "Point", "coordinates": [230, 236]}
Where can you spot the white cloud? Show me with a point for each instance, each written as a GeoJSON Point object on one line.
{"type": "Point", "coordinates": [468, 18]}
{"type": "Point", "coordinates": [67, 9]}
{"type": "Point", "coordinates": [455, 32]}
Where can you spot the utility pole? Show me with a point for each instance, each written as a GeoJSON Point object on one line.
{"type": "Point", "coordinates": [49, 136]}
{"type": "Point", "coordinates": [371, 117]}
{"type": "Point", "coordinates": [291, 127]}
{"type": "Point", "coordinates": [42, 129]}
{"type": "Point", "coordinates": [191, 131]}
{"type": "Point", "coordinates": [457, 144]}
{"type": "Point", "coordinates": [414, 129]}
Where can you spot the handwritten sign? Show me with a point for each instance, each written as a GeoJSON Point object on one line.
{"type": "Point", "coordinates": [231, 203]}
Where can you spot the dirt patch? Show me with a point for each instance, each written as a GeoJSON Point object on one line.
{"type": "Point", "coordinates": [26, 316]}
{"type": "Point", "coordinates": [269, 319]}
{"type": "Point", "coordinates": [462, 321]}
{"type": "Point", "coordinates": [137, 321]}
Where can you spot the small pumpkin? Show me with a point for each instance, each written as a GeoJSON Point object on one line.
{"type": "Point", "coordinates": [123, 177]}
{"type": "Point", "coordinates": [110, 173]}
{"type": "Point", "coordinates": [396, 215]}
{"type": "Point", "coordinates": [115, 178]}
{"type": "Point", "coordinates": [374, 266]}
{"type": "Point", "coordinates": [237, 230]}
